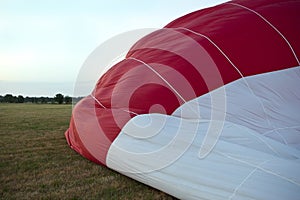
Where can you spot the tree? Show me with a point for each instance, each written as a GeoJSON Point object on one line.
{"type": "Point", "coordinates": [20, 99]}
{"type": "Point", "coordinates": [43, 99]}
{"type": "Point", "coordinates": [59, 98]}
{"type": "Point", "coordinates": [68, 99]}
{"type": "Point", "coordinates": [9, 98]}
{"type": "Point", "coordinates": [28, 99]}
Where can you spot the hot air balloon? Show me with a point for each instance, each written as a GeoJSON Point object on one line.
{"type": "Point", "coordinates": [207, 107]}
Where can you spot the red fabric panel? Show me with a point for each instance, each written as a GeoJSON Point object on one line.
{"type": "Point", "coordinates": [284, 15]}
{"type": "Point", "coordinates": [142, 101]}
{"type": "Point", "coordinates": [76, 144]}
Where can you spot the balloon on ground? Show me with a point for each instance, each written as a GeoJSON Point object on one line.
{"type": "Point", "coordinates": [207, 107]}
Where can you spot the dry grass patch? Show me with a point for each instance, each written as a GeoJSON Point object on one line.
{"type": "Point", "coordinates": [36, 162]}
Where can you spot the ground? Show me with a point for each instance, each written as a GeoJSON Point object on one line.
{"type": "Point", "coordinates": [37, 163]}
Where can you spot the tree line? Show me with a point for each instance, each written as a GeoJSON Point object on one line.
{"type": "Point", "coordinates": [57, 99]}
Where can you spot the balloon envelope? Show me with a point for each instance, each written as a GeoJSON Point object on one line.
{"type": "Point", "coordinates": [206, 108]}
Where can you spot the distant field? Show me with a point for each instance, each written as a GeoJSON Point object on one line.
{"type": "Point", "coordinates": [36, 162]}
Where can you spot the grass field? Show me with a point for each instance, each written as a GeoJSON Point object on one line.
{"type": "Point", "coordinates": [37, 163]}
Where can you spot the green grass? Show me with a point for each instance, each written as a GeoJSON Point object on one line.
{"type": "Point", "coordinates": [37, 163]}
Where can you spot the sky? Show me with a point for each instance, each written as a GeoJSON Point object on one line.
{"type": "Point", "coordinates": [43, 43]}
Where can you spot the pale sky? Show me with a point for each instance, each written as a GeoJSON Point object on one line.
{"type": "Point", "coordinates": [47, 41]}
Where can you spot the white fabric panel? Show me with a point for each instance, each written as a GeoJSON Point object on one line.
{"type": "Point", "coordinates": [255, 157]}
{"type": "Point", "coordinates": [230, 171]}
{"type": "Point", "coordinates": [267, 103]}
